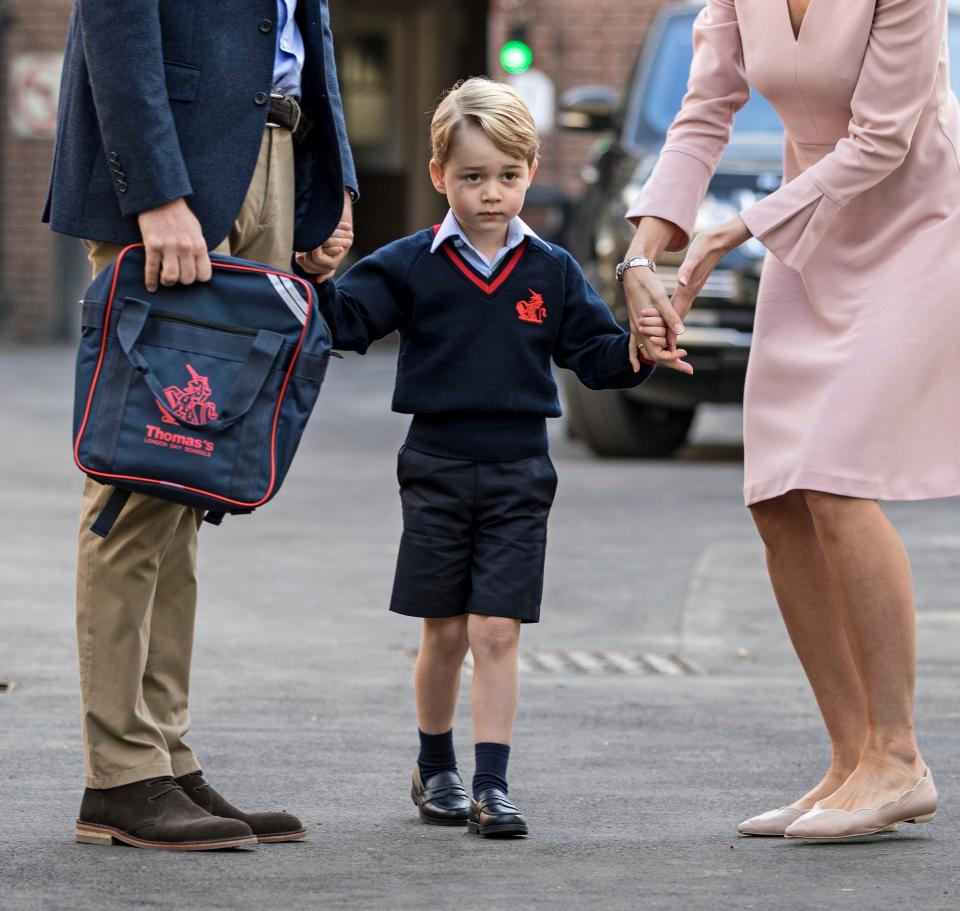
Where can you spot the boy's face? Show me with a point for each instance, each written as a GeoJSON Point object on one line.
{"type": "Point", "coordinates": [484, 185]}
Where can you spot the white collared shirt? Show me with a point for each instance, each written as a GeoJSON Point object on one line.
{"type": "Point", "coordinates": [517, 230]}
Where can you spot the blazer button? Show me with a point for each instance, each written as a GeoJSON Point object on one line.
{"type": "Point", "coordinates": [266, 26]}
{"type": "Point", "coordinates": [113, 157]}
{"type": "Point", "coordinates": [261, 98]}
{"type": "Point", "coordinates": [122, 186]}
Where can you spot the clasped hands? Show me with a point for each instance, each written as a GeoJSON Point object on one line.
{"type": "Point", "coordinates": [655, 320]}
{"type": "Point", "coordinates": [176, 251]}
{"type": "Point", "coordinates": [324, 261]}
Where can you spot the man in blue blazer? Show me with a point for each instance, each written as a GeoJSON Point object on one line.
{"type": "Point", "coordinates": [189, 125]}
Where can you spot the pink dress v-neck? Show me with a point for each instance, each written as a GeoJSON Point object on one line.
{"type": "Point", "coordinates": [853, 386]}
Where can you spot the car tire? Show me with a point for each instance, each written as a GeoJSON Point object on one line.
{"type": "Point", "coordinates": [615, 426]}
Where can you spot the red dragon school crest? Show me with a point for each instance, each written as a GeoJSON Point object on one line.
{"type": "Point", "coordinates": [532, 310]}
{"type": "Point", "coordinates": [191, 403]}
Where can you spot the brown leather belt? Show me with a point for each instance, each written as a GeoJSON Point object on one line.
{"type": "Point", "coordinates": [285, 113]}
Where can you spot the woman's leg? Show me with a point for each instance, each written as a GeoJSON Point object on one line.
{"type": "Point", "coordinates": [810, 605]}
{"type": "Point", "coordinates": [494, 642]}
{"type": "Point", "coordinates": [870, 570]}
{"type": "Point", "coordinates": [436, 677]}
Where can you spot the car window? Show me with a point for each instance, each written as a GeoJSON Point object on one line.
{"type": "Point", "coordinates": [667, 84]}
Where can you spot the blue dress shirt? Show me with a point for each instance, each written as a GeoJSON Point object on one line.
{"type": "Point", "coordinates": [517, 230]}
{"type": "Point", "coordinates": [288, 60]}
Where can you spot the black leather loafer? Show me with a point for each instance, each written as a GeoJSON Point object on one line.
{"type": "Point", "coordinates": [268, 827]}
{"type": "Point", "coordinates": [441, 800]}
{"type": "Point", "coordinates": [492, 814]}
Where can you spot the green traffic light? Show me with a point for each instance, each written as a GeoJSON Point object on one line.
{"type": "Point", "coordinates": [516, 57]}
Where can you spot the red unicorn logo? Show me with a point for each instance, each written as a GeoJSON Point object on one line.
{"type": "Point", "coordinates": [192, 403]}
{"type": "Point", "coordinates": [532, 310]}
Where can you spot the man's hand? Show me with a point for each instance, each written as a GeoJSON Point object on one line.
{"type": "Point", "coordinates": [325, 259]}
{"type": "Point", "coordinates": [176, 249]}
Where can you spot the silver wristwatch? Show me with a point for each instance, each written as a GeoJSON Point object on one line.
{"type": "Point", "coordinates": [632, 263]}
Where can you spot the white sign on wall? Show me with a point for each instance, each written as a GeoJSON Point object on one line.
{"type": "Point", "coordinates": [34, 89]}
{"type": "Point", "coordinates": [539, 93]}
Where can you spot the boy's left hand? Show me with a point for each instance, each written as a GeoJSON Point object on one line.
{"type": "Point", "coordinates": [652, 344]}
{"type": "Point", "coordinates": [325, 259]}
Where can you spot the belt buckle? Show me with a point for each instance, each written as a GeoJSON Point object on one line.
{"type": "Point", "coordinates": [274, 126]}
{"type": "Point", "coordinates": [294, 105]}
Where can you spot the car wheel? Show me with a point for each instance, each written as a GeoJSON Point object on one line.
{"type": "Point", "coordinates": [616, 426]}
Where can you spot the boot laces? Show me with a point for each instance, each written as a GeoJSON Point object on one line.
{"type": "Point", "coordinates": [167, 785]}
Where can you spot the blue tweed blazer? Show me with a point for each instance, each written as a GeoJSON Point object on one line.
{"type": "Point", "coordinates": [168, 98]}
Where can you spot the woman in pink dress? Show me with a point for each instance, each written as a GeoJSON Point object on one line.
{"type": "Point", "coordinates": [853, 388]}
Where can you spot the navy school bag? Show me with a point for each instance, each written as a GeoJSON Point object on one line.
{"type": "Point", "coordinates": [196, 393]}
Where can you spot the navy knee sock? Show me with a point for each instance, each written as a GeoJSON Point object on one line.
{"type": "Point", "coordinates": [436, 754]}
{"type": "Point", "coordinates": [491, 770]}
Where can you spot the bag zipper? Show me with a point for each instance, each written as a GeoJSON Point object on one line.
{"type": "Point", "coordinates": [201, 324]}
{"type": "Point", "coordinates": [220, 327]}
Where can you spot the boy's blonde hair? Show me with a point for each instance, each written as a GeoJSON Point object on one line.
{"type": "Point", "coordinates": [494, 108]}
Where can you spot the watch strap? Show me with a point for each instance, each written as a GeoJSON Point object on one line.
{"type": "Point", "coordinates": [633, 263]}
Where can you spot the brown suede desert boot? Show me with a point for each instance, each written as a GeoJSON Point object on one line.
{"type": "Point", "coordinates": [268, 827]}
{"type": "Point", "coordinates": [156, 814]}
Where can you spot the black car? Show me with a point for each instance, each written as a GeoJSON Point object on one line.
{"type": "Point", "coordinates": [654, 419]}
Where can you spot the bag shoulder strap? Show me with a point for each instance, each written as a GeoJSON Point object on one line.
{"type": "Point", "coordinates": [111, 510]}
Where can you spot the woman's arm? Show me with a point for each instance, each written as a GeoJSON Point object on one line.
{"type": "Point", "coordinates": [666, 208]}
{"type": "Point", "coordinates": [716, 90]}
{"type": "Point", "coordinates": [896, 80]}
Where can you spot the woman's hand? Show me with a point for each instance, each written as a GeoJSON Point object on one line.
{"type": "Point", "coordinates": [650, 310]}
{"type": "Point", "coordinates": [703, 254]}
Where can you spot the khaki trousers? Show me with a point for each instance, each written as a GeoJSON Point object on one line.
{"type": "Point", "coordinates": [137, 588]}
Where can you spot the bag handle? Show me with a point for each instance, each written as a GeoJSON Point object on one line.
{"type": "Point", "coordinates": [246, 388]}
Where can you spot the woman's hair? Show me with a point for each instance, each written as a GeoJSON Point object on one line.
{"type": "Point", "coordinates": [494, 108]}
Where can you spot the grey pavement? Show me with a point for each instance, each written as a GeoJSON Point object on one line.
{"type": "Point", "coordinates": [633, 782]}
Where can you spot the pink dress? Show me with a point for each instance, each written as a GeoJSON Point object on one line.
{"type": "Point", "coordinates": [853, 385]}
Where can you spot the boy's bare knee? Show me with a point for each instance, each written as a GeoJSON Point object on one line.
{"type": "Point", "coordinates": [447, 635]}
{"type": "Point", "coordinates": [493, 637]}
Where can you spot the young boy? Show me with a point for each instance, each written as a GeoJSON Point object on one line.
{"type": "Point", "coordinates": [482, 305]}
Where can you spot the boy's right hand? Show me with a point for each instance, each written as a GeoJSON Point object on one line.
{"type": "Point", "coordinates": [324, 261]}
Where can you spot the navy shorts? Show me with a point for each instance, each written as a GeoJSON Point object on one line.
{"type": "Point", "coordinates": [474, 536]}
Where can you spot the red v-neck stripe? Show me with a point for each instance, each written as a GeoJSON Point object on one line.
{"type": "Point", "coordinates": [486, 287]}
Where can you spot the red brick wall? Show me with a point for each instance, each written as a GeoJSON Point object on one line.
{"type": "Point", "coordinates": [26, 245]}
{"type": "Point", "coordinates": [575, 42]}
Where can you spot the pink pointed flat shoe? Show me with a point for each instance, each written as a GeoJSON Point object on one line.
{"type": "Point", "coordinates": [918, 804]}
{"type": "Point", "coordinates": [773, 823]}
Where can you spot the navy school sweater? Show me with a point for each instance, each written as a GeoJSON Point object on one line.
{"type": "Point", "coordinates": [474, 364]}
